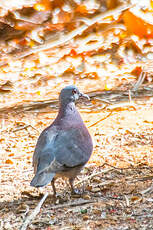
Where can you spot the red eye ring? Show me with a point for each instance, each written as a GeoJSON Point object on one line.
{"type": "Point", "coordinates": [74, 91]}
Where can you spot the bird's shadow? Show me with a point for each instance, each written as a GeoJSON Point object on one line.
{"type": "Point", "coordinates": [29, 200]}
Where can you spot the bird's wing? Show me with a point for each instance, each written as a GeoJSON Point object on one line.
{"type": "Point", "coordinates": [43, 155]}
{"type": "Point", "coordinates": [71, 147]}
{"type": "Point", "coordinates": [56, 151]}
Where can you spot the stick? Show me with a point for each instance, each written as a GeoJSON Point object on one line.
{"type": "Point", "coordinates": [22, 18]}
{"type": "Point", "coordinates": [92, 175]}
{"type": "Point", "coordinates": [140, 81]}
{"type": "Point", "coordinates": [34, 213]}
{"type": "Point", "coordinates": [114, 107]}
{"type": "Point", "coordinates": [147, 190]}
{"type": "Point", "coordinates": [95, 123]}
{"type": "Point", "coordinates": [24, 127]}
{"type": "Point", "coordinates": [76, 203]}
{"type": "Point", "coordinates": [130, 98]}
{"type": "Point", "coordinates": [127, 201]}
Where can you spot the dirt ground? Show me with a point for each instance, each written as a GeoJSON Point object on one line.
{"type": "Point", "coordinates": [117, 181]}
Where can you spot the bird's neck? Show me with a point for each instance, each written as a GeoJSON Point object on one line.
{"type": "Point", "coordinates": [67, 108]}
{"type": "Point", "coordinates": [68, 115]}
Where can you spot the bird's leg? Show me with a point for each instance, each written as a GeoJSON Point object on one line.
{"type": "Point", "coordinates": [53, 186]}
{"type": "Point", "coordinates": [73, 190]}
{"type": "Point", "coordinates": [71, 184]}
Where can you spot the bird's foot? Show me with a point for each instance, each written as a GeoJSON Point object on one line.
{"type": "Point", "coordinates": [56, 195]}
{"type": "Point", "coordinates": [76, 192]}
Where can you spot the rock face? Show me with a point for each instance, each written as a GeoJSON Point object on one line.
{"type": "Point", "coordinates": [65, 146]}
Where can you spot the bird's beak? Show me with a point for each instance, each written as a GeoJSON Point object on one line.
{"type": "Point", "coordinates": [82, 95]}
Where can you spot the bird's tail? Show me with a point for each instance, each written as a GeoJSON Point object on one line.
{"type": "Point", "coordinates": [42, 179]}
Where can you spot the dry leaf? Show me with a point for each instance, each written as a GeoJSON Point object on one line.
{"type": "Point", "coordinates": [9, 161]}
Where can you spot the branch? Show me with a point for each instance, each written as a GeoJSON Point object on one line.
{"type": "Point", "coordinates": [34, 213]}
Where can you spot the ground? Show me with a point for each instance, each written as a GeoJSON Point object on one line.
{"type": "Point", "coordinates": [117, 181]}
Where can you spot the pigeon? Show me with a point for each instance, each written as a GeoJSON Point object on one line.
{"type": "Point", "coordinates": [65, 146]}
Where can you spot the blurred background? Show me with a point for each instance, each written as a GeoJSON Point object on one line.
{"type": "Point", "coordinates": [95, 44]}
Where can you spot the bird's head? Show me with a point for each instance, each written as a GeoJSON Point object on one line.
{"type": "Point", "coordinates": [71, 94]}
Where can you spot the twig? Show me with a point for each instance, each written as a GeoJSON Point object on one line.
{"type": "Point", "coordinates": [75, 32]}
{"type": "Point", "coordinates": [34, 213]}
{"type": "Point", "coordinates": [127, 201]}
{"type": "Point", "coordinates": [21, 128]}
{"type": "Point", "coordinates": [76, 203]}
{"type": "Point", "coordinates": [147, 190]}
{"type": "Point", "coordinates": [102, 171]}
{"type": "Point", "coordinates": [24, 127]}
{"type": "Point", "coordinates": [95, 123]}
{"type": "Point", "coordinates": [140, 81]}
{"type": "Point", "coordinates": [144, 178]}
{"type": "Point", "coordinates": [106, 183]}
{"type": "Point", "coordinates": [131, 167]}
{"type": "Point", "coordinates": [117, 167]}
{"type": "Point", "coordinates": [120, 105]}
{"type": "Point", "coordinates": [114, 107]}
{"type": "Point", "coordinates": [130, 99]}
{"type": "Point", "coordinates": [25, 19]}
{"type": "Point", "coordinates": [92, 175]}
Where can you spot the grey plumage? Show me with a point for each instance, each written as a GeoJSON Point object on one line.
{"type": "Point", "coordinates": [65, 146]}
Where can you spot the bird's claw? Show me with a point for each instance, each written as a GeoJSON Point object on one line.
{"type": "Point", "coordinates": [76, 192]}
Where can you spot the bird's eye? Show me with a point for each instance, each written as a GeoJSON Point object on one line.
{"type": "Point", "coordinates": [74, 91]}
